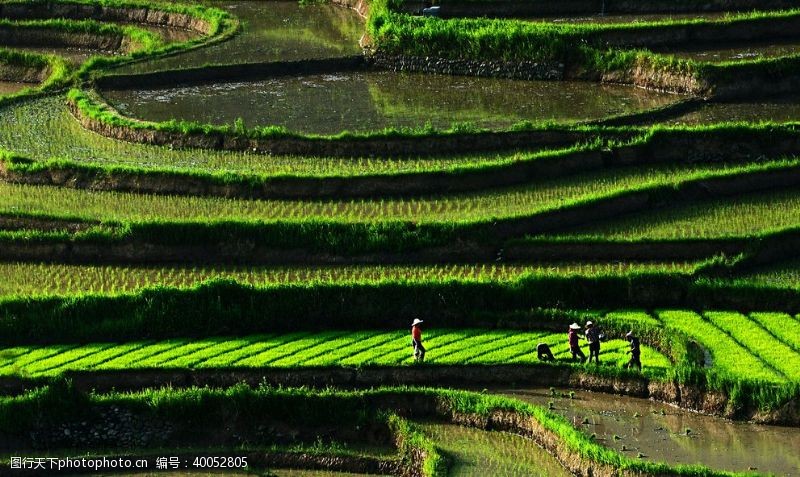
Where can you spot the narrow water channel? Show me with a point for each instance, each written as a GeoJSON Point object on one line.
{"type": "Point", "coordinates": [663, 433]}
{"type": "Point", "coordinates": [362, 101]}
{"type": "Point", "coordinates": [478, 453]}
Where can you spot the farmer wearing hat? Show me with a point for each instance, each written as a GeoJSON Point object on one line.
{"type": "Point", "coordinates": [416, 340]}
{"type": "Point", "coordinates": [593, 337]}
{"type": "Point", "coordinates": [574, 346]}
{"type": "Point", "coordinates": [635, 351]}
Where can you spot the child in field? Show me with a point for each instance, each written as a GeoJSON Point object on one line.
{"type": "Point", "coordinates": [416, 340]}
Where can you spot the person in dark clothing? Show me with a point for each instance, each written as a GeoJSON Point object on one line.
{"type": "Point", "coordinates": [635, 352]}
{"type": "Point", "coordinates": [574, 345]}
{"type": "Point", "coordinates": [416, 341]}
{"type": "Point", "coordinates": [543, 352]}
{"type": "Point", "coordinates": [593, 337]}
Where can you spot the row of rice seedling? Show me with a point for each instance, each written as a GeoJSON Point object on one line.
{"type": "Point", "coordinates": [37, 279]}
{"type": "Point", "coordinates": [761, 343]}
{"type": "Point", "coordinates": [43, 129]}
{"type": "Point", "coordinates": [517, 201]}
{"type": "Point", "coordinates": [742, 215]}
{"type": "Point", "coordinates": [728, 356]}
{"type": "Point", "coordinates": [332, 348]}
{"type": "Point", "coordinates": [783, 326]}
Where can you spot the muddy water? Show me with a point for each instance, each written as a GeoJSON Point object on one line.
{"type": "Point", "coordinates": [781, 109]}
{"type": "Point", "coordinates": [664, 433]}
{"type": "Point", "coordinates": [8, 87]}
{"type": "Point", "coordinates": [359, 101]}
{"type": "Point", "coordinates": [485, 453]}
{"type": "Point", "coordinates": [736, 52]}
{"type": "Point", "coordinates": [273, 31]}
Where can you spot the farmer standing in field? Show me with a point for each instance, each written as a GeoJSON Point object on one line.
{"type": "Point", "coordinates": [593, 337]}
{"type": "Point", "coordinates": [574, 346]}
{"type": "Point", "coordinates": [416, 340]}
{"type": "Point", "coordinates": [635, 351]}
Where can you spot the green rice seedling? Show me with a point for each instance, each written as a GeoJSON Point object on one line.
{"type": "Point", "coordinates": [472, 352]}
{"type": "Point", "coordinates": [775, 353]}
{"type": "Point", "coordinates": [217, 347]}
{"type": "Point", "coordinates": [62, 360]}
{"type": "Point", "coordinates": [160, 359]}
{"type": "Point", "coordinates": [740, 216]}
{"type": "Point", "coordinates": [140, 353]}
{"type": "Point", "coordinates": [249, 346]}
{"type": "Point", "coordinates": [460, 208]}
{"type": "Point", "coordinates": [61, 140]}
{"type": "Point", "coordinates": [362, 342]}
{"type": "Point", "coordinates": [781, 325]}
{"type": "Point", "coordinates": [24, 357]}
{"type": "Point", "coordinates": [95, 359]}
{"type": "Point", "coordinates": [327, 344]}
{"type": "Point", "coordinates": [285, 348]}
{"type": "Point", "coordinates": [728, 356]}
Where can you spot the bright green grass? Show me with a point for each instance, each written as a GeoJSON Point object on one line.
{"type": "Point", "coordinates": [760, 342]}
{"type": "Point", "coordinates": [333, 348]}
{"type": "Point", "coordinates": [743, 215]}
{"type": "Point", "coordinates": [37, 279]}
{"type": "Point", "coordinates": [783, 326]}
{"type": "Point", "coordinates": [518, 201]}
{"type": "Point", "coordinates": [43, 129]}
{"type": "Point", "coordinates": [728, 355]}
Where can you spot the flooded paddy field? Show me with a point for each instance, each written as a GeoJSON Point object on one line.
{"type": "Point", "coordinates": [364, 101]}
{"type": "Point", "coordinates": [478, 453]}
{"type": "Point", "coordinates": [44, 128]}
{"type": "Point", "coordinates": [273, 31]}
{"type": "Point", "coordinates": [664, 433]}
{"type": "Point", "coordinates": [776, 109]}
{"type": "Point", "coordinates": [718, 53]}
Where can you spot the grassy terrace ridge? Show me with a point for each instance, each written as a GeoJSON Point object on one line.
{"type": "Point", "coordinates": [304, 349]}
{"type": "Point", "coordinates": [54, 69]}
{"type": "Point", "coordinates": [180, 408]}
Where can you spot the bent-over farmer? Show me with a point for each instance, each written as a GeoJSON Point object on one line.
{"type": "Point", "coordinates": [543, 352]}
{"type": "Point", "coordinates": [416, 340]}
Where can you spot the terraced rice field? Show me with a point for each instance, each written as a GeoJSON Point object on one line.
{"type": "Point", "coordinates": [745, 215]}
{"type": "Point", "coordinates": [499, 176]}
{"type": "Point", "coordinates": [494, 203]}
{"type": "Point", "coordinates": [340, 348]}
{"type": "Point", "coordinates": [32, 279]}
